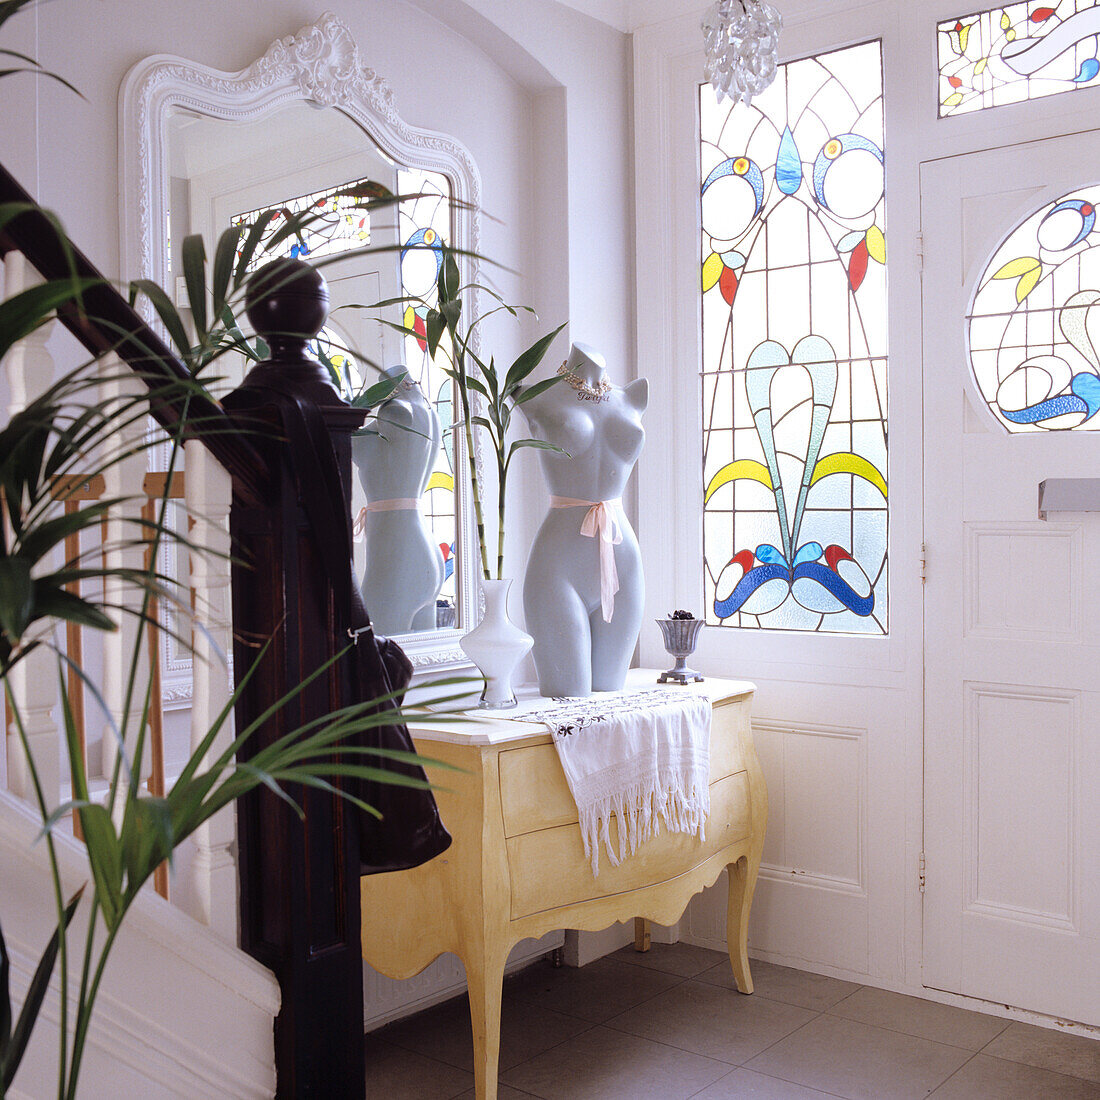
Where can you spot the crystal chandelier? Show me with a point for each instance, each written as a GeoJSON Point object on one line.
{"type": "Point", "coordinates": [742, 43]}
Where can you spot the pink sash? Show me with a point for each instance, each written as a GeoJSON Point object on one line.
{"type": "Point", "coordinates": [399, 504]}
{"type": "Point", "coordinates": [600, 522]}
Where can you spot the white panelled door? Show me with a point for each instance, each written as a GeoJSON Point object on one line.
{"type": "Point", "coordinates": [1012, 627]}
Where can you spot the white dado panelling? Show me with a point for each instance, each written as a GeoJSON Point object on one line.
{"type": "Point", "coordinates": [816, 841]}
{"type": "Point", "coordinates": [1022, 805]}
{"type": "Point", "coordinates": [999, 556]}
{"type": "Point", "coordinates": [816, 779]}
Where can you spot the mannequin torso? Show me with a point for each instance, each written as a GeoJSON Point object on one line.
{"type": "Point", "coordinates": [404, 569]}
{"type": "Point", "coordinates": [578, 647]}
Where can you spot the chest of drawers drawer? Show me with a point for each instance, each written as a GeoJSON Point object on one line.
{"type": "Point", "coordinates": [534, 794]}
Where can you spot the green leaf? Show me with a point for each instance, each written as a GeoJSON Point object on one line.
{"type": "Point", "coordinates": [105, 857]}
{"type": "Point", "coordinates": [16, 597]}
{"type": "Point", "coordinates": [377, 393]}
{"type": "Point", "coordinates": [452, 314]}
{"type": "Point", "coordinates": [193, 255]}
{"type": "Point", "coordinates": [12, 1050]}
{"type": "Point", "coordinates": [530, 359]}
{"type": "Point", "coordinates": [60, 814]}
{"type": "Point", "coordinates": [261, 777]}
{"type": "Point", "coordinates": [251, 243]}
{"type": "Point", "coordinates": [167, 312]}
{"type": "Point", "coordinates": [472, 383]}
{"type": "Point", "coordinates": [534, 390]}
{"type": "Point", "coordinates": [291, 227]}
{"type": "Point", "coordinates": [224, 252]}
{"type": "Point", "coordinates": [12, 7]}
{"type": "Point", "coordinates": [533, 444]}
{"type": "Point", "coordinates": [447, 282]}
{"type": "Point", "coordinates": [56, 603]}
{"type": "Point", "coordinates": [36, 67]}
{"type": "Point", "coordinates": [491, 380]}
{"type": "Point", "coordinates": [45, 536]}
{"type": "Point", "coordinates": [22, 313]}
{"type": "Point", "coordinates": [435, 326]}
{"type": "Point", "coordinates": [147, 839]}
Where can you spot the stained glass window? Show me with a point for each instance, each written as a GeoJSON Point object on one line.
{"type": "Point", "coordinates": [794, 350]}
{"type": "Point", "coordinates": [337, 224]}
{"type": "Point", "coordinates": [1016, 52]}
{"type": "Point", "coordinates": [1034, 344]}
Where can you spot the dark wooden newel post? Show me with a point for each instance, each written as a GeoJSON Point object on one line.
{"type": "Point", "coordinates": [299, 882]}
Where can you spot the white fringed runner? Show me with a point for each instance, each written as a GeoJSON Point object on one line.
{"type": "Point", "coordinates": [642, 757]}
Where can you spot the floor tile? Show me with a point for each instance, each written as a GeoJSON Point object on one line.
{"type": "Point", "coordinates": [603, 1064]}
{"type": "Point", "coordinates": [714, 1022]}
{"type": "Point", "coordinates": [859, 1061]}
{"type": "Point", "coordinates": [683, 959]}
{"type": "Point", "coordinates": [443, 1032]}
{"type": "Point", "coordinates": [397, 1074]}
{"type": "Point", "coordinates": [985, 1078]}
{"type": "Point", "coordinates": [595, 992]}
{"type": "Point", "coordinates": [941, 1023]}
{"type": "Point", "coordinates": [1048, 1049]}
{"type": "Point", "coordinates": [781, 983]}
{"type": "Point", "coordinates": [743, 1084]}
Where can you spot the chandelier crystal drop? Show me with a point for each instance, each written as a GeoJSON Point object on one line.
{"type": "Point", "coordinates": [742, 46]}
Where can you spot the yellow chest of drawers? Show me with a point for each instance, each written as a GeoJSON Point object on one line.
{"type": "Point", "coordinates": [517, 866]}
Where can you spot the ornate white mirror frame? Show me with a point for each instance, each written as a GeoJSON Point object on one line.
{"type": "Point", "coordinates": [320, 65]}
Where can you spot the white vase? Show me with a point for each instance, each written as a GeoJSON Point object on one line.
{"type": "Point", "coordinates": [496, 645]}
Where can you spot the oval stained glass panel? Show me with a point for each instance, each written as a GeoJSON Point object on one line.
{"type": "Point", "coordinates": [1034, 326]}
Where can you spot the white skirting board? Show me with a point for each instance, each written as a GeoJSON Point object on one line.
{"type": "Point", "coordinates": [385, 999]}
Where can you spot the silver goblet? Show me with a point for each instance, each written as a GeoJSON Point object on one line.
{"type": "Point", "coordinates": [680, 636]}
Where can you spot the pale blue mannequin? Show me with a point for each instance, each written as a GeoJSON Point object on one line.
{"type": "Point", "coordinates": [404, 570]}
{"type": "Point", "coordinates": [599, 426]}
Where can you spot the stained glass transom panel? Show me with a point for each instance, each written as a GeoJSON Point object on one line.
{"type": "Point", "coordinates": [1017, 52]}
{"type": "Point", "coordinates": [337, 223]}
{"type": "Point", "coordinates": [1034, 342]}
{"type": "Point", "coordinates": [794, 350]}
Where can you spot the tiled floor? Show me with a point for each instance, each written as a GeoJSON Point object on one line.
{"type": "Point", "coordinates": [669, 1024]}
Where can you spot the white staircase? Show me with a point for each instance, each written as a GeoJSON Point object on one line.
{"type": "Point", "coordinates": [181, 1013]}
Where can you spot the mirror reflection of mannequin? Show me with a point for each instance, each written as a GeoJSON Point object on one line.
{"type": "Point", "coordinates": [404, 565]}
{"type": "Point", "coordinates": [583, 590]}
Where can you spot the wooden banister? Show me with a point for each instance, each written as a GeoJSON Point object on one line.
{"type": "Point", "coordinates": [105, 322]}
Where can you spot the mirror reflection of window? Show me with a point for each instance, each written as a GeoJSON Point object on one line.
{"type": "Point", "coordinates": [222, 174]}
{"type": "Point", "coordinates": [335, 221]}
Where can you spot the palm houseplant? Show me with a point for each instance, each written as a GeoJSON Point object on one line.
{"type": "Point", "coordinates": [80, 427]}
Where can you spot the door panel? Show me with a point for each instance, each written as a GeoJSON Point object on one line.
{"type": "Point", "coordinates": [1012, 752]}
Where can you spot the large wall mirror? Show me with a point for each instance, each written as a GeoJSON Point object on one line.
{"type": "Point", "coordinates": [202, 150]}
